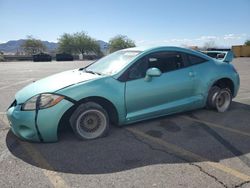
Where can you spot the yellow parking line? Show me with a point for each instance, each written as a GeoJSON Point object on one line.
{"type": "Point", "coordinates": [216, 125]}
{"type": "Point", "coordinates": [54, 178]}
{"type": "Point", "coordinates": [190, 156]}
{"type": "Point", "coordinates": [229, 170]}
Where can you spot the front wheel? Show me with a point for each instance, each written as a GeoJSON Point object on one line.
{"type": "Point", "coordinates": [90, 121]}
{"type": "Point", "coordinates": [219, 99]}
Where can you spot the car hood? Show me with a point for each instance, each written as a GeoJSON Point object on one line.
{"type": "Point", "coordinates": [53, 83]}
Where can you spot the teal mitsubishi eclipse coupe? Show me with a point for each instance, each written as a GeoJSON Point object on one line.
{"type": "Point", "coordinates": [124, 87]}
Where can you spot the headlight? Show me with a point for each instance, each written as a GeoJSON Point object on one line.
{"type": "Point", "coordinates": [45, 101]}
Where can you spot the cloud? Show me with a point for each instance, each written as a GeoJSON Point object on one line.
{"type": "Point", "coordinates": [205, 38]}
{"type": "Point", "coordinates": [180, 40]}
{"type": "Point", "coordinates": [233, 36]}
{"type": "Point", "coordinates": [220, 40]}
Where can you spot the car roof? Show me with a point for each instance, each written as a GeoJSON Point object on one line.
{"type": "Point", "coordinates": [150, 49]}
{"type": "Point", "coordinates": [146, 49]}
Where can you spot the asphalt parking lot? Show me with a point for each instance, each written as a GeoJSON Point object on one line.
{"type": "Point", "coordinates": [200, 148]}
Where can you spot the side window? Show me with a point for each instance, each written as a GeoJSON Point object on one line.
{"type": "Point", "coordinates": [165, 61]}
{"type": "Point", "coordinates": [138, 70]}
{"type": "Point", "coordinates": [195, 59]}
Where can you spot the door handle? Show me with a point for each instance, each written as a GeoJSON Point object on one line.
{"type": "Point", "coordinates": [191, 74]}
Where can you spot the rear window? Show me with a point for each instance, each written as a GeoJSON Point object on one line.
{"type": "Point", "coordinates": [216, 55]}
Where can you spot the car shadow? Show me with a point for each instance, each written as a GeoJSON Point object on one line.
{"type": "Point", "coordinates": [123, 150]}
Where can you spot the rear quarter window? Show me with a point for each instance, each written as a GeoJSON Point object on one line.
{"type": "Point", "coordinates": [194, 60]}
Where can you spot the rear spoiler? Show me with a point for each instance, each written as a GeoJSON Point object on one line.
{"type": "Point", "coordinates": [224, 56]}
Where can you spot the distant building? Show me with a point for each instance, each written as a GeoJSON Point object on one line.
{"type": "Point", "coordinates": [241, 51]}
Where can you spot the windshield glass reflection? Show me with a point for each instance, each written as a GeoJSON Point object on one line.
{"type": "Point", "coordinates": [112, 63]}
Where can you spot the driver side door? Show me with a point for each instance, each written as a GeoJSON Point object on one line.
{"type": "Point", "coordinates": [168, 93]}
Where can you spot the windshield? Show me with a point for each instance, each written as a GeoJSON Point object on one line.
{"type": "Point", "coordinates": [112, 63]}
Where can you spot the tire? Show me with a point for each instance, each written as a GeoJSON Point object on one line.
{"type": "Point", "coordinates": [219, 99]}
{"type": "Point", "coordinates": [213, 92]}
{"type": "Point", "coordinates": [90, 121]}
{"type": "Point", "coordinates": [223, 100]}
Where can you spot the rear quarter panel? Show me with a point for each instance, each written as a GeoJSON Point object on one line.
{"type": "Point", "coordinates": [206, 74]}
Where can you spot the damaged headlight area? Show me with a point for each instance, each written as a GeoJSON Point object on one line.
{"type": "Point", "coordinates": [42, 101]}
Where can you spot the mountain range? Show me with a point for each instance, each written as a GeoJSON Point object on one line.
{"type": "Point", "coordinates": [14, 46]}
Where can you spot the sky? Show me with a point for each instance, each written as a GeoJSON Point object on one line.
{"type": "Point", "coordinates": [147, 22]}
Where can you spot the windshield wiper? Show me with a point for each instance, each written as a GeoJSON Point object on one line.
{"type": "Point", "coordinates": [92, 72]}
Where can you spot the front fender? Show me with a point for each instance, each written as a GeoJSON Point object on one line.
{"type": "Point", "coordinates": [48, 120]}
{"type": "Point", "coordinates": [107, 88]}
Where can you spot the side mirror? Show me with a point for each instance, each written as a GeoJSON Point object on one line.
{"type": "Point", "coordinates": [152, 72]}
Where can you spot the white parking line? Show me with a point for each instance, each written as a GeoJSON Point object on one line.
{"type": "Point", "coordinates": [17, 83]}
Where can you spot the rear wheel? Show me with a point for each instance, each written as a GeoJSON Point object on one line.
{"type": "Point", "coordinates": [219, 99]}
{"type": "Point", "coordinates": [90, 121]}
{"type": "Point", "coordinates": [223, 100]}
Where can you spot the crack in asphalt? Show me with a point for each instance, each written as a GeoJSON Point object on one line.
{"type": "Point", "coordinates": [241, 184]}
{"type": "Point", "coordinates": [155, 149]}
{"type": "Point", "coordinates": [210, 175]}
{"type": "Point", "coordinates": [181, 158]}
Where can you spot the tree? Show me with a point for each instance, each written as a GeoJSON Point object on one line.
{"type": "Point", "coordinates": [33, 46]}
{"type": "Point", "coordinates": [78, 43]}
{"type": "Point", "coordinates": [1, 56]}
{"type": "Point", "coordinates": [247, 42]}
{"type": "Point", "coordinates": [84, 44]}
{"type": "Point", "coordinates": [66, 43]}
{"type": "Point", "coordinates": [120, 42]}
{"type": "Point", "coordinates": [209, 44]}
